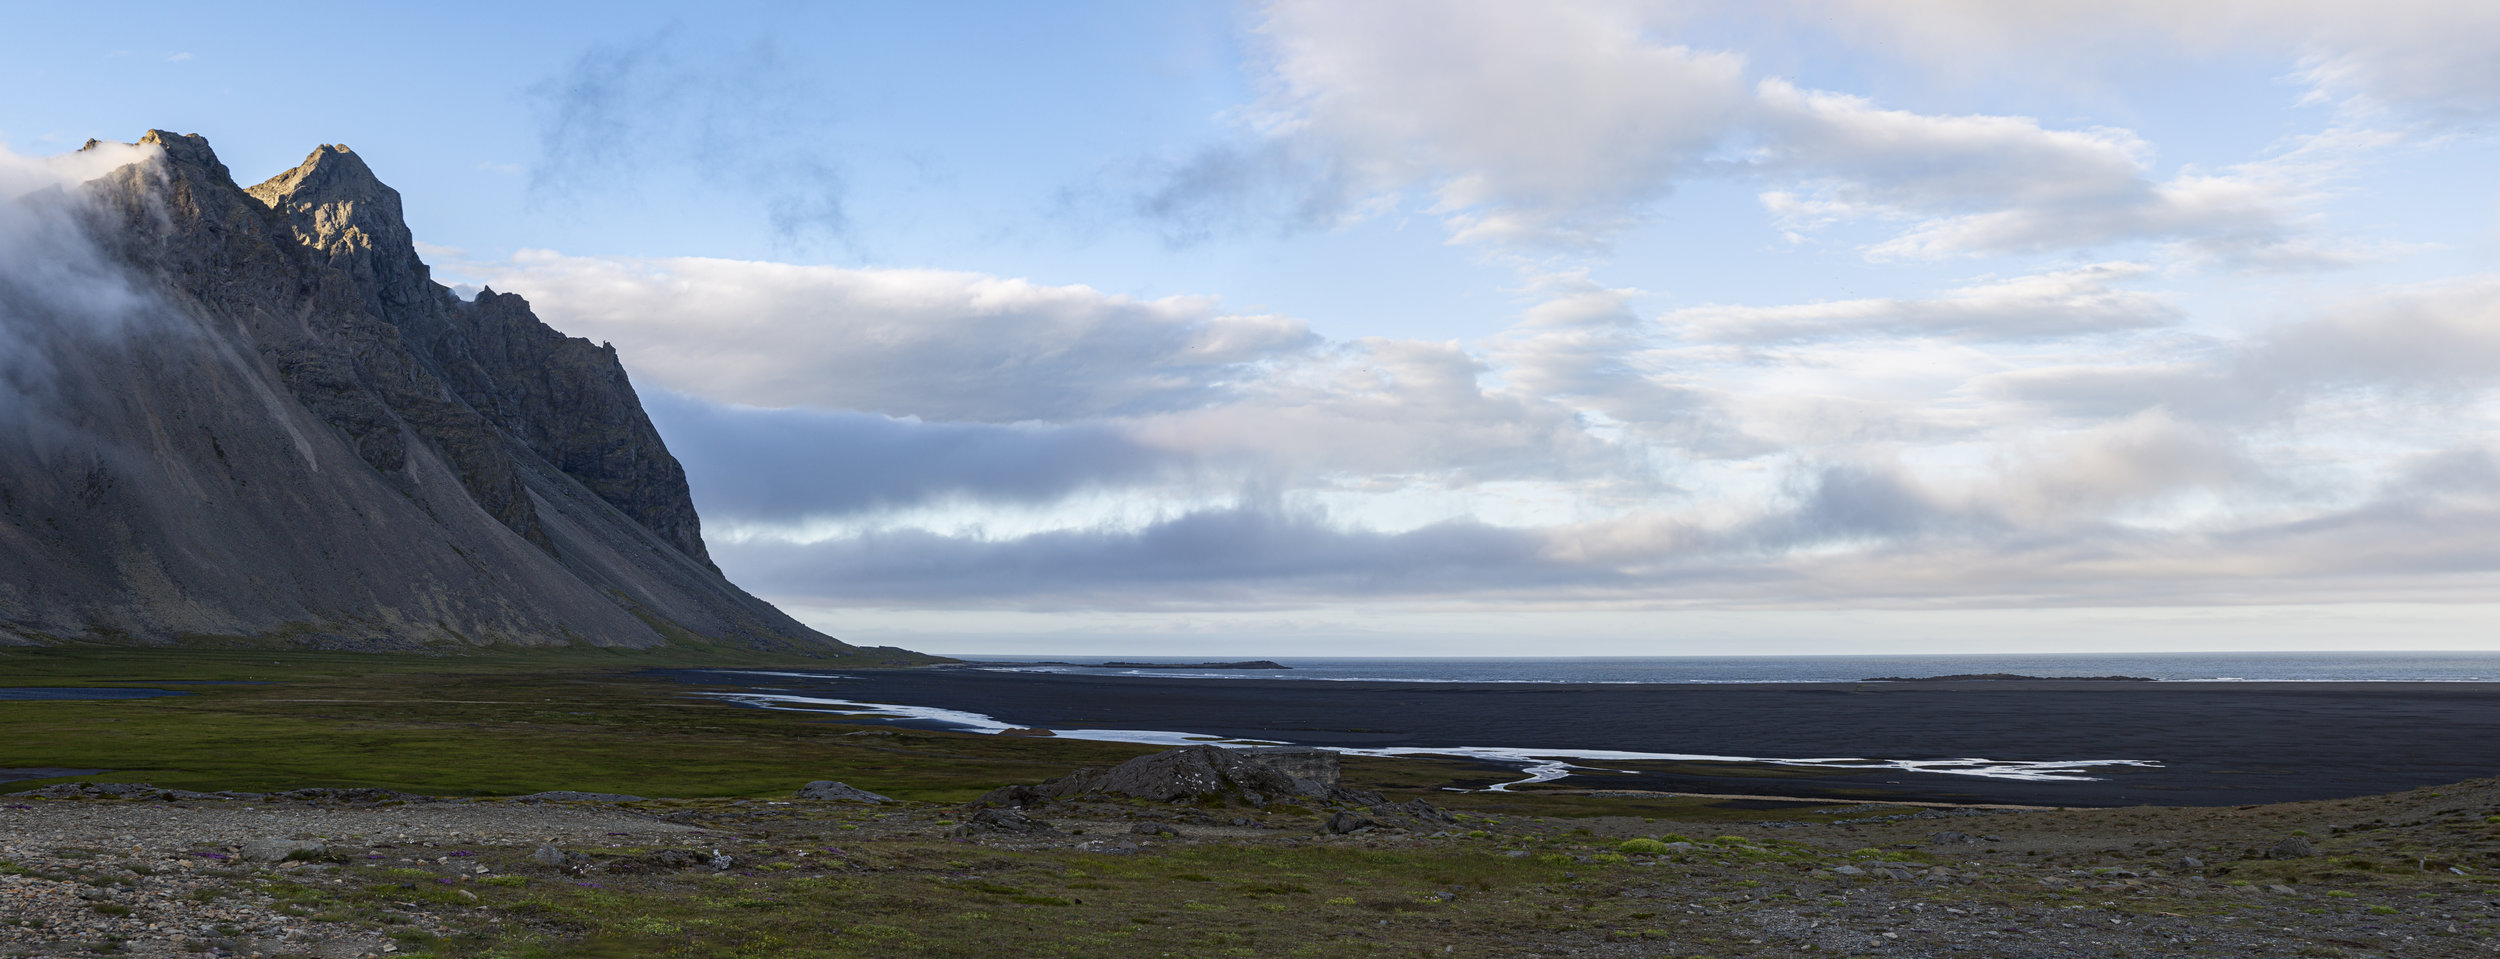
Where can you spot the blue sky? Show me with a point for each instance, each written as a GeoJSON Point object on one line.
{"type": "Point", "coordinates": [1466, 327]}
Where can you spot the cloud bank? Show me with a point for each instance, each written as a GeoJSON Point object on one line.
{"type": "Point", "coordinates": [861, 438]}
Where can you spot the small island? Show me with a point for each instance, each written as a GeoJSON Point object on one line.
{"type": "Point", "coordinates": [2006, 677]}
{"type": "Point", "coordinates": [1244, 664]}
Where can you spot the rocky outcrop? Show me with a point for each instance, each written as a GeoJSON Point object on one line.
{"type": "Point", "coordinates": [565, 399]}
{"type": "Point", "coordinates": [1188, 774]}
{"type": "Point", "coordinates": [278, 427]}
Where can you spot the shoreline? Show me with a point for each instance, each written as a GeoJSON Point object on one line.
{"type": "Point", "coordinates": [2100, 743]}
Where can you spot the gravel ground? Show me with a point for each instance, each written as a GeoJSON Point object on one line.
{"type": "Point", "coordinates": [2392, 876]}
{"type": "Point", "coordinates": [180, 878]}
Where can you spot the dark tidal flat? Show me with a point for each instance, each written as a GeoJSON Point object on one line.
{"type": "Point", "coordinates": [2217, 743]}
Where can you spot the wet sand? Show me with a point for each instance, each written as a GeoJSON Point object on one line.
{"type": "Point", "coordinates": [2217, 743]}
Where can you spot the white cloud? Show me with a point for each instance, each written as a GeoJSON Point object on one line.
{"type": "Point", "coordinates": [1562, 126]}
{"type": "Point", "coordinates": [1536, 122]}
{"type": "Point", "coordinates": [1996, 184]}
{"type": "Point", "coordinates": [2436, 59]}
{"type": "Point", "coordinates": [2063, 303]}
{"type": "Point", "coordinates": [2383, 354]}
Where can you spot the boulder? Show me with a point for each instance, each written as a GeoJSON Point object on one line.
{"type": "Point", "coordinates": [551, 857]}
{"type": "Point", "coordinates": [1186, 774]}
{"type": "Point", "coordinates": [827, 789]}
{"type": "Point", "coordinates": [1346, 824]}
{"type": "Point", "coordinates": [2296, 847]}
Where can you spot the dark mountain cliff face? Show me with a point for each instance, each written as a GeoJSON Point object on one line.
{"type": "Point", "coordinates": [285, 429]}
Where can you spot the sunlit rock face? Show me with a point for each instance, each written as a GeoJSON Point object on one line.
{"type": "Point", "coordinates": [231, 413]}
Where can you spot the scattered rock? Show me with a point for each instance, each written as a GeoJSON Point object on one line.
{"type": "Point", "coordinates": [1417, 810]}
{"type": "Point", "coordinates": [569, 795]}
{"type": "Point", "coordinates": [279, 850]}
{"type": "Point", "coordinates": [827, 789]}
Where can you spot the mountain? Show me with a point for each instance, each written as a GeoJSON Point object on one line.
{"type": "Point", "coordinates": [252, 415]}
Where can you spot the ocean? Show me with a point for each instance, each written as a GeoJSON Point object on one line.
{"type": "Point", "coordinates": [2432, 667]}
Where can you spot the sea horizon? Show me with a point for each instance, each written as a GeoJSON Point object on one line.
{"type": "Point", "coordinates": [2434, 666]}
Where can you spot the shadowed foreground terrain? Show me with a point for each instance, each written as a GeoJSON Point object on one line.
{"type": "Point", "coordinates": [730, 863]}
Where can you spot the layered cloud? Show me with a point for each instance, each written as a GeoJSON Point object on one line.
{"type": "Point", "coordinates": [2064, 303]}
{"type": "Point", "coordinates": [926, 343]}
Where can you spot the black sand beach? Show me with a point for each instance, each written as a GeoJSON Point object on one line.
{"type": "Point", "coordinates": [2217, 743]}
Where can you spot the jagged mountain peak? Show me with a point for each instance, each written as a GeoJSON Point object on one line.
{"type": "Point", "coordinates": [336, 450]}
{"type": "Point", "coordinates": [331, 174]}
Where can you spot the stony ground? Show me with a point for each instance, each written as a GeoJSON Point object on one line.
{"type": "Point", "coordinates": [337, 874]}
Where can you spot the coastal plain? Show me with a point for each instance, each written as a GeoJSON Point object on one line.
{"type": "Point", "coordinates": [416, 839]}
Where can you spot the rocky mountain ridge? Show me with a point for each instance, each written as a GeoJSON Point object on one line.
{"type": "Point", "coordinates": [286, 430]}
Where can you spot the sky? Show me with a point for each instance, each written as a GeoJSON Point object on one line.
{"type": "Point", "coordinates": [1461, 327]}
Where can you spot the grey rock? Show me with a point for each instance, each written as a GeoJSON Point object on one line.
{"type": "Point", "coordinates": [551, 856]}
{"type": "Point", "coordinates": [1848, 871]}
{"type": "Point", "coordinates": [1001, 821]}
{"type": "Point", "coordinates": [2191, 863]}
{"type": "Point", "coordinates": [1153, 829]}
{"type": "Point", "coordinates": [298, 436]}
{"type": "Point", "coordinates": [2296, 847]}
{"type": "Point", "coordinates": [827, 789]}
{"type": "Point", "coordinates": [1950, 839]}
{"type": "Point", "coordinates": [1318, 767]}
{"type": "Point", "coordinates": [278, 850]}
